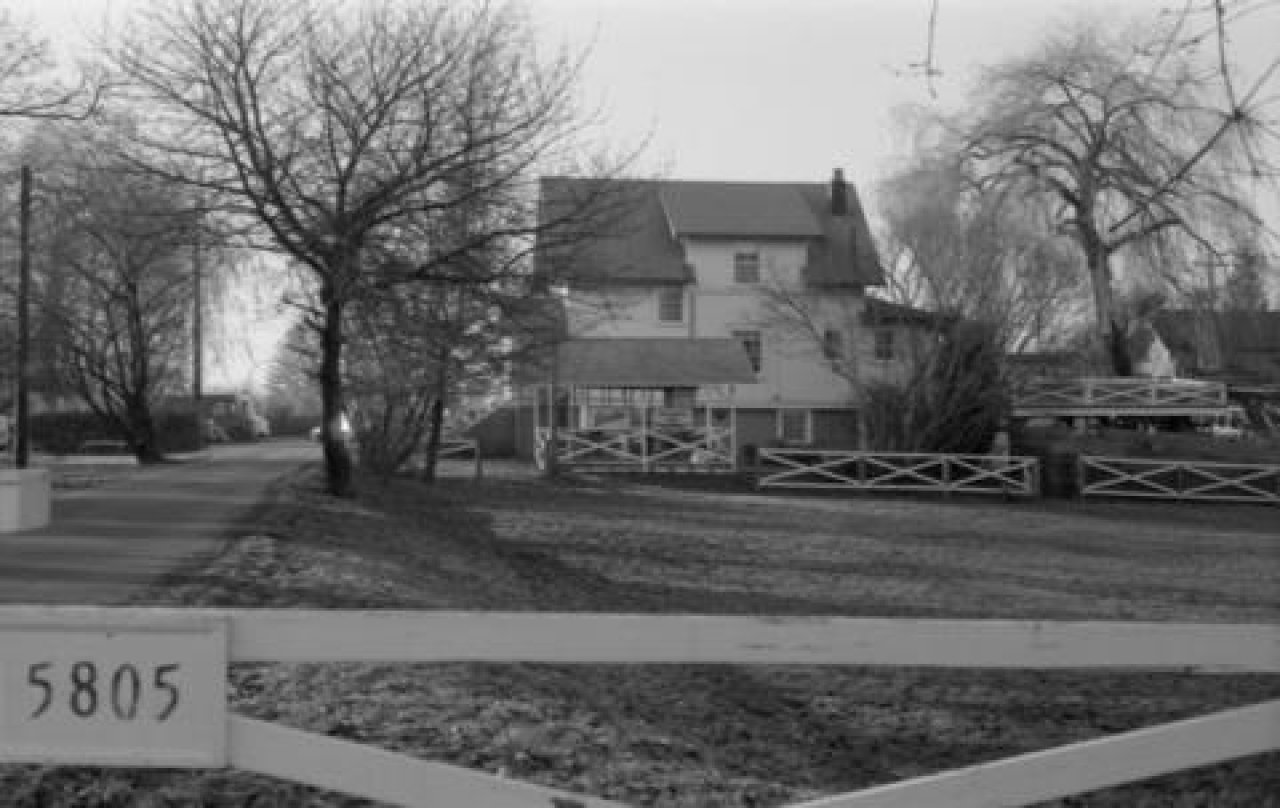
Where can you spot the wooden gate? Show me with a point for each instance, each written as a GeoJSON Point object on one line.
{"type": "Point", "coordinates": [147, 687]}
{"type": "Point", "coordinates": [1179, 480]}
{"type": "Point", "coordinates": [898, 471]}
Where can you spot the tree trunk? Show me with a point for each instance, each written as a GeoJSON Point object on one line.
{"type": "Point", "coordinates": [1111, 347]}
{"type": "Point", "coordinates": [144, 441]}
{"type": "Point", "coordinates": [337, 458]}
{"type": "Point", "coordinates": [434, 429]}
{"type": "Point", "coordinates": [436, 424]}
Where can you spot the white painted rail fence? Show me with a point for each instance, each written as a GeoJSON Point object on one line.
{"type": "Point", "coordinates": [340, 636]}
{"type": "Point", "coordinates": [1118, 396]}
{"type": "Point", "coordinates": [639, 449]}
{"type": "Point", "coordinates": [897, 471]}
{"type": "Point", "coordinates": [1189, 480]}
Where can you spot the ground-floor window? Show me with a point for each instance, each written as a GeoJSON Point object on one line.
{"type": "Point", "coordinates": [795, 426]}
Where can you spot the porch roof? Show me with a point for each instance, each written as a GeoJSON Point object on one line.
{"type": "Point", "coordinates": [653, 362]}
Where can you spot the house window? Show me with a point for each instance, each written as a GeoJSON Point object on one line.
{"type": "Point", "coordinates": [884, 344]}
{"type": "Point", "coordinates": [671, 304]}
{"type": "Point", "coordinates": [795, 426]}
{"type": "Point", "coordinates": [746, 266]}
{"type": "Point", "coordinates": [832, 344]}
{"type": "Point", "coordinates": [752, 345]}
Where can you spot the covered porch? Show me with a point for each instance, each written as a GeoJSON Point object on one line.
{"type": "Point", "coordinates": [640, 405]}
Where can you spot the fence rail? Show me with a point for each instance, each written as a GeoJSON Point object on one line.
{"type": "Point", "coordinates": [1119, 395]}
{"type": "Point", "coordinates": [885, 471]}
{"type": "Point", "coordinates": [1190, 480]}
{"type": "Point", "coordinates": [29, 633]}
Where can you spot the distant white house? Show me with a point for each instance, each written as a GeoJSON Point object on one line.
{"type": "Point", "coordinates": [653, 304]}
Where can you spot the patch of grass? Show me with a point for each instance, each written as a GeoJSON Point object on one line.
{"type": "Point", "coordinates": [682, 735]}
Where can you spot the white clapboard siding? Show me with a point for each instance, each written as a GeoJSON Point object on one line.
{"type": "Point", "coordinates": [282, 635]}
{"type": "Point", "coordinates": [374, 773]}
{"type": "Point", "coordinates": [1081, 767]}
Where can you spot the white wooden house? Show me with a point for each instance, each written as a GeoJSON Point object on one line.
{"type": "Point", "coordinates": [695, 272]}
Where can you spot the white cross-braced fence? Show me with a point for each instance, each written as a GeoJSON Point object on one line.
{"type": "Point", "coordinates": [898, 471]}
{"type": "Point", "coordinates": [1190, 480]}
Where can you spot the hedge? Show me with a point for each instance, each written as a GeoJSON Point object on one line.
{"type": "Point", "coordinates": [66, 432]}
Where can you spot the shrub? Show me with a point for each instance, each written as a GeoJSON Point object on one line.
{"type": "Point", "coordinates": [952, 403]}
{"type": "Point", "coordinates": [66, 432]}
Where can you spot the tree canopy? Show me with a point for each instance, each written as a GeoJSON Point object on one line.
{"type": "Point", "coordinates": [1122, 141]}
{"type": "Point", "coordinates": [352, 135]}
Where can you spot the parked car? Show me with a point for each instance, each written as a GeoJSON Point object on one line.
{"type": "Point", "coordinates": [1228, 426]}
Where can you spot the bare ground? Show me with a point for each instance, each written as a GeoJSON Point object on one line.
{"type": "Point", "coordinates": [720, 735]}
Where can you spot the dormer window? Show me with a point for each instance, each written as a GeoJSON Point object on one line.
{"type": "Point", "coordinates": [671, 304]}
{"type": "Point", "coordinates": [746, 266]}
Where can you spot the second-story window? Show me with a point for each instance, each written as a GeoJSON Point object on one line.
{"type": "Point", "coordinates": [746, 266]}
{"type": "Point", "coordinates": [884, 344]}
{"type": "Point", "coordinates": [671, 304]}
{"type": "Point", "coordinates": [752, 344]}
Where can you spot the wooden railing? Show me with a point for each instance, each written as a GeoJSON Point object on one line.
{"type": "Point", "coordinates": [649, 448]}
{"type": "Point", "coordinates": [64, 710]}
{"type": "Point", "coordinates": [902, 471]}
{"type": "Point", "coordinates": [1179, 480]}
{"type": "Point", "coordinates": [1119, 393]}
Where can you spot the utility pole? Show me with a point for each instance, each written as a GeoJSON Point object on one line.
{"type": "Point", "coordinates": [197, 326]}
{"type": "Point", "coordinates": [22, 427]}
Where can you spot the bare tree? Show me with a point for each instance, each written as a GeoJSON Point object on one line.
{"type": "Point", "coordinates": [938, 389]}
{"type": "Point", "coordinates": [979, 257]}
{"type": "Point", "coordinates": [342, 130]}
{"type": "Point", "coordinates": [1124, 144]}
{"type": "Point", "coordinates": [115, 287]}
{"type": "Point", "coordinates": [27, 89]}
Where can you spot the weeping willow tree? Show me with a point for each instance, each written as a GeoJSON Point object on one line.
{"type": "Point", "coordinates": [1120, 135]}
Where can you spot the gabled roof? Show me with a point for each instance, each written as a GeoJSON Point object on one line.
{"type": "Point", "coordinates": [655, 362]}
{"type": "Point", "coordinates": [737, 210]}
{"type": "Point", "coordinates": [628, 241]}
{"type": "Point", "coordinates": [643, 245]}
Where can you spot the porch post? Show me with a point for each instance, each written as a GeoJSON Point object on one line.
{"type": "Point", "coordinates": [644, 436]}
{"type": "Point", "coordinates": [733, 428]}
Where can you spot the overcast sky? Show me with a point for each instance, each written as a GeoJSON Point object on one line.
{"type": "Point", "coordinates": [764, 89]}
{"type": "Point", "coordinates": [767, 89]}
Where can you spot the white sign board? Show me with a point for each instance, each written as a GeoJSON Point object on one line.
{"type": "Point", "coordinates": [113, 693]}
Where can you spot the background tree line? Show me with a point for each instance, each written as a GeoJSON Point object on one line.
{"type": "Point", "coordinates": [1116, 167]}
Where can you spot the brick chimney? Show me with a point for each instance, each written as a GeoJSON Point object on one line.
{"type": "Point", "coordinates": [839, 194]}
